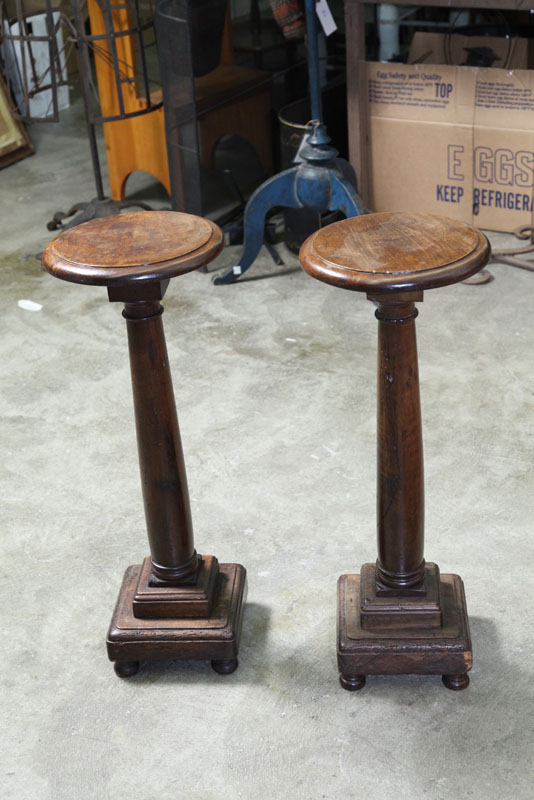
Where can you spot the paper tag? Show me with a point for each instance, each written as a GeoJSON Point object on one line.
{"type": "Point", "coordinates": [325, 17]}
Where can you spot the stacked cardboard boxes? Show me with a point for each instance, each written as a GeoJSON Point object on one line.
{"type": "Point", "coordinates": [454, 140]}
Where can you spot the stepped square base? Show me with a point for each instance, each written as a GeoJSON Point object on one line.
{"type": "Point", "coordinates": [214, 637]}
{"type": "Point", "coordinates": [445, 650]}
{"type": "Point", "coordinates": [386, 609]}
{"type": "Point", "coordinates": [192, 598]}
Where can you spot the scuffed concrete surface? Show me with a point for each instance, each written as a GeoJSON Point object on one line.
{"type": "Point", "coordinates": [275, 387]}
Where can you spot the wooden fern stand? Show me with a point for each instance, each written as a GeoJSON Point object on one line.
{"type": "Point", "coordinates": [400, 615]}
{"type": "Point", "coordinates": [177, 604]}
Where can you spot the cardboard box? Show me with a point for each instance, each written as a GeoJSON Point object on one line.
{"type": "Point", "coordinates": [451, 140]}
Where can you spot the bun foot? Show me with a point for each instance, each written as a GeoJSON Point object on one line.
{"type": "Point", "coordinates": [456, 682]}
{"type": "Point", "coordinates": [125, 669]}
{"type": "Point", "coordinates": [352, 682]}
{"type": "Point", "coordinates": [225, 667]}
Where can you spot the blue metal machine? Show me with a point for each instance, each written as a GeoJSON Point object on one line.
{"type": "Point", "coordinates": [317, 183]}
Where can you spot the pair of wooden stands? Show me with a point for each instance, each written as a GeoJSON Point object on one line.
{"type": "Point", "coordinates": [398, 616]}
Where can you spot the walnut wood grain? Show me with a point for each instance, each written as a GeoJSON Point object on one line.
{"type": "Point", "coordinates": [400, 481]}
{"type": "Point", "coordinates": [400, 616]}
{"type": "Point", "coordinates": [161, 459]}
{"type": "Point", "coordinates": [148, 246]}
{"type": "Point", "coordinates": [214, 637]}
{"type": "Point", "coordinates": [392, 252]}
{"type": "Point", "coordinates": [179, 604]}
{"type": "Point", "coordinates": [444, 651]}
{"type": "Point", "coordinates": [383, 610]}
{"type": "Point", "coordinates": [155, 598]}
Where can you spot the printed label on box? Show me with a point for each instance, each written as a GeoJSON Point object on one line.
{"type": "Point", "coordinates": [452, 140]}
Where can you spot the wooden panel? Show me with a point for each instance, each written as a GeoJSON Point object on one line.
{"type": "Point", "coordinates": [248, 117]}
{"type": "Point", "coordinates": [356, 106]}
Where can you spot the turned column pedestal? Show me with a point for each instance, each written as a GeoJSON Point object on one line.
{"type": "Point", "coordinates": [399, 615]}
{"type": "Point", "coordinates": [177, 604]}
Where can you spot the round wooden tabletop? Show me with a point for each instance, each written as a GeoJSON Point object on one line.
{"type": "Point", "coordinates": [144, 245]}
{"type": "Point", "coordinates": [391, 252]}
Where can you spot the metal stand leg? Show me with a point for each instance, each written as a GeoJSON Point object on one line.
{"type": "Point", "coordinates": [277, 191]}
{"type": "Point", "coordinates": [316, 184]}
{"type": "Point", "coordinates": [343, 197]}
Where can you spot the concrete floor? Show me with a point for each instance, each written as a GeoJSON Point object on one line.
{"type": "Point", "coordinates": [275, 386]}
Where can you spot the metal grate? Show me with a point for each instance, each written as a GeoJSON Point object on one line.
{"type": "Point", "coordinates": [35, 52]}
{"type": "Point", "coordinates": [173, 18]}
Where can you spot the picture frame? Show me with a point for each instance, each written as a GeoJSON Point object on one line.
{"type": "Point", "coordinates": [14, 141]}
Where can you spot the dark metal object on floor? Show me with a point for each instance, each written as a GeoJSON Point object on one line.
{"type": "Point", "coordinates": [484, 276]}
{"type": "Point", "coordinates": [233, 224]}
{"type": "Point", "coordinates": [315, 183]}
{"type": "Point", "coordinates": [97, 207]}
{"type": "Point", "coordinates": [512, 256]}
